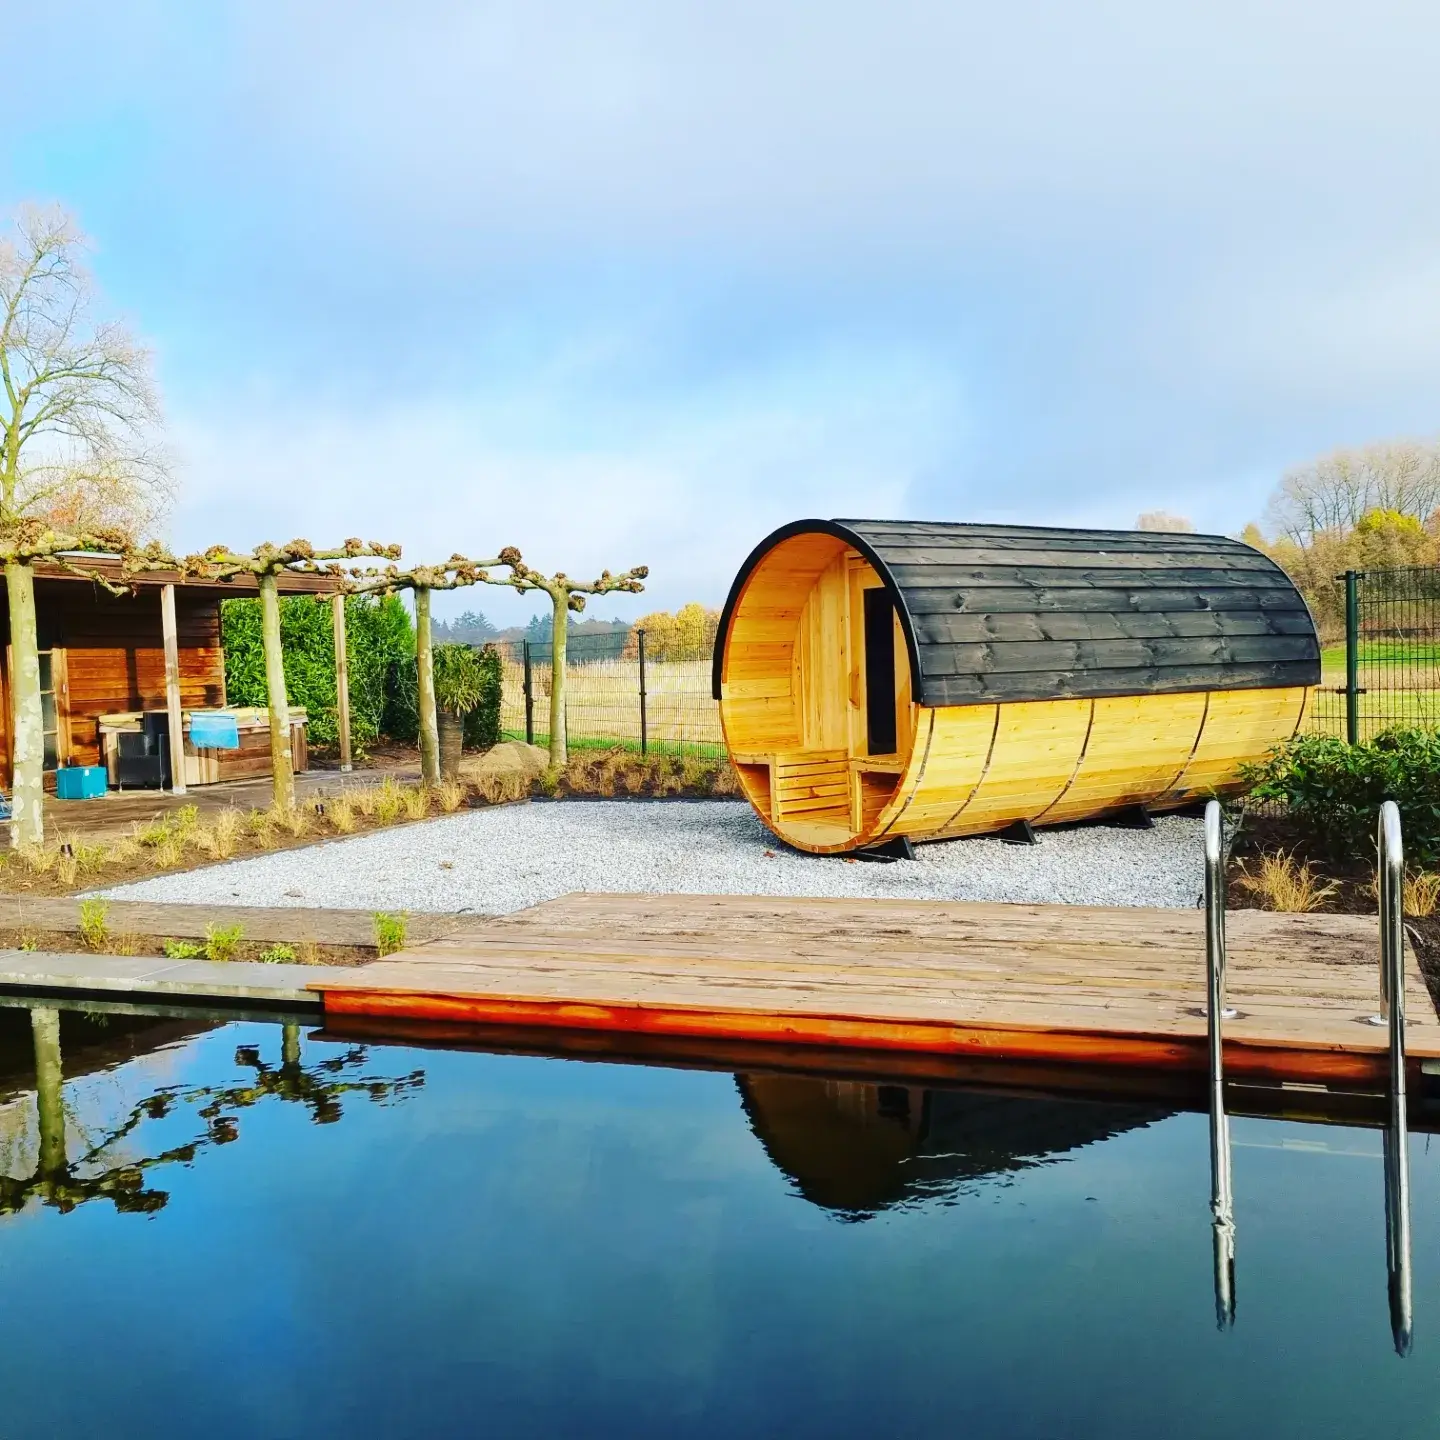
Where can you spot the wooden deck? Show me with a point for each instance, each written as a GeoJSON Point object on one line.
{"type": "Point", "coordinates": [1068, 984]}
{"type": "Point", "coordinates": [117, 812]}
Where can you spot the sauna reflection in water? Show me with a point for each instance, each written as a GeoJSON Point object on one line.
{"type": "Point", "coordinates": [856, 1149]}
{"type": "Point", "coordinates": [302, 1234]}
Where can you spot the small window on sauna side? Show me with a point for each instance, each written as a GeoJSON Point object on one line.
{"type": "Point", "coordinates": [879, 673]}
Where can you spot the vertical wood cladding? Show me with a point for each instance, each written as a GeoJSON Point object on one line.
{"type": "Point", "coordinates": [115, 655]}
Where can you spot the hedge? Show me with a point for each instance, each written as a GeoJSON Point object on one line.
{"type": "Point", "coordinates": [1334, 790]}
{"type": "Point", "coordinates": [380, 639]}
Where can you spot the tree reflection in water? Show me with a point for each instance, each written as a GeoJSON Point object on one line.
{"type": "Point", "coordinates": [64, 1184]}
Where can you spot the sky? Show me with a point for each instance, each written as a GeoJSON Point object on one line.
{"type": "Point", "coordinates": [634, 283]}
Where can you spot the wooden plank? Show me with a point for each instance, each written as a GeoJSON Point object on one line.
{"type": "Point", "coordinates": [60, 913]}
{"type": "Point", "coordinates": [1027, 599]}
{"type": "Point", "coordinates": [1160, 652]}
{"type": "Point", "coordinates": [1039, 685]}
{"type": "Point", "coordinates": [1052, 983]}
{"type": "Point", "coordinates": [928, 565]}
{"type": "Point", "coordinates": [976, 627]}
{"type": "Point", "coordinates": [1221, 572]}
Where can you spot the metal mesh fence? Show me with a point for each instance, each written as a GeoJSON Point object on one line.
{"type": "Point", "coordinates": [1385, 670]}
{"type": "Point", "coordinates": [616, 695]}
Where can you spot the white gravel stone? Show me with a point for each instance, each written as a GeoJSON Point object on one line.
{"type": "Point", "coordinates": [495, 861]}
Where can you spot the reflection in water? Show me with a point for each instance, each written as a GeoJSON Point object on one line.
{"type": "Point", "coordinates": [1397, 1230]}
{"type": "Point", "coordinates": [855, 1148]}
{"type": "Point", "coordinates": [115, 1165]}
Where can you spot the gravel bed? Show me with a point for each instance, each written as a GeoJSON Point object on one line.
{"type": "Point", "coordinates": [495, 861]}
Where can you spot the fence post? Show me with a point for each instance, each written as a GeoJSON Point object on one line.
{"type": "Point", "coordinates": [644, 725]}
{"type": "Point", "coordinates": [529, 698]}
{"type": "Point", "coordinates": [1352, 656]}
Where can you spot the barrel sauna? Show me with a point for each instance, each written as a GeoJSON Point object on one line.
{"type": "Point", "coordinates": [881, 679]}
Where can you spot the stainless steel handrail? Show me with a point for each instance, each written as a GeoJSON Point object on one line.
{"type": "Point", "coordinates": [1222, 1198]}
{"type": "Point", "coordinates": [1215, 924]}
{"type": "Point", "coordinates": [1391, 853]}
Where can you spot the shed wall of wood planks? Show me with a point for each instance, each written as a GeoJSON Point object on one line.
{"type": "Point", "coordinates": [1038, 675]}
{"type": "Point", "coordinates": [110, 653]}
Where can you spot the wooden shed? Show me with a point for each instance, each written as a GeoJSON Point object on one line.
{"type": "Point", "coordinates": [104, 655]}
{"type": "Point", "coordinates": [881, 679]}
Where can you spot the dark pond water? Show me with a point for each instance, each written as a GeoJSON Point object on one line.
{"type": "Point", "coordinates": [221, 1231]}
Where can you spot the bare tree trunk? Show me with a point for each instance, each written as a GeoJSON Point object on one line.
{"type": "Point", "coordinates": [27, 814]}
{"type": "Point", "coordinates": [559, 638]}
{"type": "Point", "coordinates": [49, 1089]}
{"type": "Point", "coordinates": [281, 762]}
{"type": "Point", "coordinates": [425, 663]}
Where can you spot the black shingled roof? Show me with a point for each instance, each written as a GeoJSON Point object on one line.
{"type": "Point", "coordinates": [1026, 612]}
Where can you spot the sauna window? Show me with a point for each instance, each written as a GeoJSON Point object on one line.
{"type": "Point", "coordinates": [879, 673]}
{"type": "Point", "coordinates": [49, 715]}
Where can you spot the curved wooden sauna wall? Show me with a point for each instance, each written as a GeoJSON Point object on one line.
{"type": "Point", "coordinates": [880, 679]}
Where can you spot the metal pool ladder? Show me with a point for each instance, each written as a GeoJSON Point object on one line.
{"type": "Point", "coordinates": [1391, 850]}
{"type": "Point", "coordinates": [1222, 1197]}
{"type": "Point", "coordinates": [1390, 847]}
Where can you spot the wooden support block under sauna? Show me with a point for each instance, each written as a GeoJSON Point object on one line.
{"type": "Point", "coordinates": [882, 678]}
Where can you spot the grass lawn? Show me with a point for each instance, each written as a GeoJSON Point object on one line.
{"type": "Point", "coordinates": [704, 749]}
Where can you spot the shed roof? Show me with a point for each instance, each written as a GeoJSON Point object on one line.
{"type": "Point", "coordinates": [1027, 612]}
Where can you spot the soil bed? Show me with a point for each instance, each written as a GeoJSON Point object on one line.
{"type": "Point", "coordinates": [1354, 882]}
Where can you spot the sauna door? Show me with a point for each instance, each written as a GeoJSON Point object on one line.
{"type": "Point", "coordinates": [879, 663]}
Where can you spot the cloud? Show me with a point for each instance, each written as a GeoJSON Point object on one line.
{"type": "Point", "coordinates": [687, 490]}
{"type": "Point", "coordinates": [640, 278]}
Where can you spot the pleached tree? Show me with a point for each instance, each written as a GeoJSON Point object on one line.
{"type": "Point", "coordinates": [421, 580]}
{"type": "Point", "coordinates": [565, 595]}
{"type": "Point", "coordinates": [81, 471]}
{"type": "Point", "coordinates": [267, 563]}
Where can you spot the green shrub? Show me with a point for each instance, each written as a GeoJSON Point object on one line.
{"type": "Point", "coordinates": [1334, 790]}
{"type": "Point", "coordinates": [458, 682]}
{"type": "Point", "coordinates": [482, 724]}
{"type": "Point", "coordinates": [381, 643]}
{"type": "Point", "coordinates": [389, 933]}
{"type": "Point", "coordinates": [94, 924]}
{"type": "Point", "coordinates": [277, 954]}
{"type": "Point", "coordinates": [183, 950]}
{"type": "Point", "coordinates": [222, 941]}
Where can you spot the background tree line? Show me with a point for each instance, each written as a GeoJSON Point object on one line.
{"type": "Point", "coordinates": [1370, 508]}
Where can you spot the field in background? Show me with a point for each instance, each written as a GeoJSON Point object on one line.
{"type": "Point", "coordinates": [603, 705]}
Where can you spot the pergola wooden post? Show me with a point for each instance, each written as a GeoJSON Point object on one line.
{"type": "Point", "coordinates": [170, 631]}
{"type": "Point", "coordinates": [342, 678]}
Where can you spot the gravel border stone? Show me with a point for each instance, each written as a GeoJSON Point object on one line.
{"type": "Point", "coordinates": [498, 860]}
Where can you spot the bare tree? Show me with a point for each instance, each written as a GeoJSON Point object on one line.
{"type": "Point", "coordinates": [1334, 492]}
{"type": "Point", "coordinates": [266, 563]}
{"type": "Point", "coordinates": [1164, 521]}
{"type": "Point", "coordinates": [565, 595]}
{"type": "Point", "coordinates": [454, 574]}
{"type": "Point", "coordinates": [80, 467]}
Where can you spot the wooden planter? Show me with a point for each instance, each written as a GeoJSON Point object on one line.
{"type": "Point", "coordinates": [880, 679]}
{"type": "Point", "coordinates": [452, 738]}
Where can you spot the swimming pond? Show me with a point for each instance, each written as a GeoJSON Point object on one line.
{"type": "Point", "coordinates": [247, 1229]}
